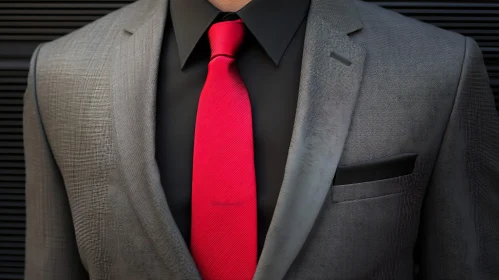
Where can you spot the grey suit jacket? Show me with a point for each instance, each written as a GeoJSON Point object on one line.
{"type": "Point", "coordinates": [375, 87]}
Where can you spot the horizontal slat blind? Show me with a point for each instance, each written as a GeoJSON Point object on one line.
{"type": "Point", "coordinates": [12, 214]}
{"type": "Point", "coordinates": [26, 23]}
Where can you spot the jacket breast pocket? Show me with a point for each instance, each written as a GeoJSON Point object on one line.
{"type": "Point", "coordinates": [377, 178]}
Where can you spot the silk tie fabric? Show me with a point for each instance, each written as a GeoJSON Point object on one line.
{"type": "Point", "coordinates": [224, 218]}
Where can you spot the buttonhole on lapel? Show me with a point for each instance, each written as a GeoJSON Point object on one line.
{"type": "Point", "coordinates": [341, 58]}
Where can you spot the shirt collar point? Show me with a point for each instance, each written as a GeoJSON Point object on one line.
{"type": "Point", "coordinates": [183, 62]}
{"type": "Point", "coordinates": [276, 58]}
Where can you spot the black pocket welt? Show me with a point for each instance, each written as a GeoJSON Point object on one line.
{"type": "Point", "coordinates": [379, 169]}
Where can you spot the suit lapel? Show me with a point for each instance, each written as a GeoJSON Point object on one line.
{"type": "Point", "coordinates": [133, 89]}
{"type": "Point", "coordinates": [331, 74]}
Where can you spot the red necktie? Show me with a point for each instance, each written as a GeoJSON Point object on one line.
{"type": "Point", "coordinates": [224, 225]}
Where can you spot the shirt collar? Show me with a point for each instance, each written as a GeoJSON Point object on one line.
{"type": "Point", "coordinates": [272, 22]}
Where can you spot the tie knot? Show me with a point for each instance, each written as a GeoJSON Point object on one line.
{"type": "Point", "coordinates": [226, 37]}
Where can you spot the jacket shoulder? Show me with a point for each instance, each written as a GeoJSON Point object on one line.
{"type": "Point", "coordinates": [401, 44]}
{"type": "Point", "coordinates": [84, 53]}
{"type": "Point", "coordinates": [97, 34]}
{"type": "Point", "coordinates": [72, 70]}
{"type": "Point", "coordinates": [384, 26]}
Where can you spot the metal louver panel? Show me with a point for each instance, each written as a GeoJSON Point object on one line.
{"type": "Point", "coordinates": [12, 214]}
{"type": "Point", "coordinates": [26, 23]}
{"type": "Point", "coordinates": [24, 20]}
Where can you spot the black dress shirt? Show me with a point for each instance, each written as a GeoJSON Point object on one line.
{"type": "Point", "coordinates": [269, 62]}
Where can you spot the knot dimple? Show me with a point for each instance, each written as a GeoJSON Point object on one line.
{"type": "Point", "coordinates": [226, 37]}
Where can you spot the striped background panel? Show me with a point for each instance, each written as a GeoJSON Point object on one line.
{"type": "Point", "coordinates": [26, 23]}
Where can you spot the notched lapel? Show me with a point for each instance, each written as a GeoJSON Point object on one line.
{"type": "Point", "coordinates": [133, 89]}
{"type": "Point", "coordinates": [328, 93]}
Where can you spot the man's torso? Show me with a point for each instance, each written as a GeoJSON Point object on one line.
{"type": "Point", "coordinates": [405, 72]}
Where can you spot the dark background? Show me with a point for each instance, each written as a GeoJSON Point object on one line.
{"type": "Point", "coordinates": [26, 23]}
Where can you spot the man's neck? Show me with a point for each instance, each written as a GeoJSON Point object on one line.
{"type": "Point", "coordinates": [229, 5]}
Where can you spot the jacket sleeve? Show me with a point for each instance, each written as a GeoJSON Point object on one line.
{"type": "Point", "coordinates": [51, 251]}
{"type": "Point", "coordinates": [459, 233]}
